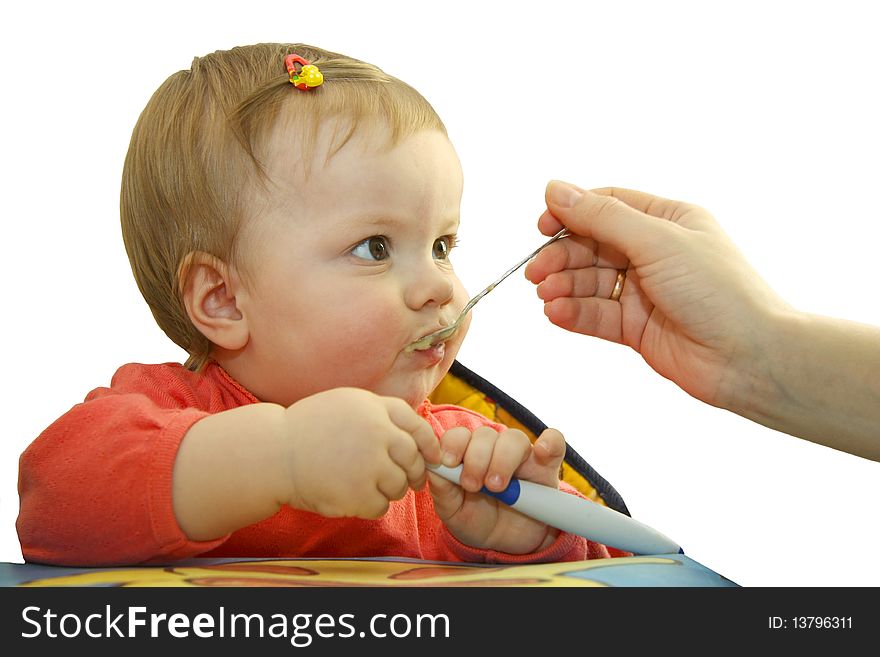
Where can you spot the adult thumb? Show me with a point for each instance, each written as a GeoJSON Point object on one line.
{"type": "Point", "coordinates": [605, 218]}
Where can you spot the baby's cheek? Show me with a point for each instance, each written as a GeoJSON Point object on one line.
{"type": "Point", "coordinates": [459, 299]}
{"type": "Point", "coordinates": [367, 336]}
{"type": "Point", "coordinates": [460, 295]}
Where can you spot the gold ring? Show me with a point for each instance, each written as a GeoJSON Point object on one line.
{"type": "Point", "coordinates": [618, 285]}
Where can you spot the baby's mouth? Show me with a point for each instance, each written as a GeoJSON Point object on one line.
{"type": "Point", "coordinates": [430, 356]}
{"type": "Point", "coordinates": [431, 340]}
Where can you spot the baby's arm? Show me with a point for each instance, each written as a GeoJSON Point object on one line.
{"type": "Point", "coordinates": [102, 484]}
{"type": "Point", "coordinates": [238, 467]}
{"type": "Point", "coordinates": [95, 486]}
{"type": "Point", "coordinates": [229, 472]}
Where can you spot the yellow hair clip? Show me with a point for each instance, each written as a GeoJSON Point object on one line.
{"type": "Point", "coordinates": [303, 75]}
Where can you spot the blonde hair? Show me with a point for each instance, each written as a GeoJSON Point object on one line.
{"type": "Point", "coordinates": [196, 150]}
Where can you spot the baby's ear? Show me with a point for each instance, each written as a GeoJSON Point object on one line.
{"type": "Point", "coordinates": [209, 288]}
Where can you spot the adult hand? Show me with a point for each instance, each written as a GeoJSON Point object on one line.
{"type": "Point", "coordinates": [690, 303]}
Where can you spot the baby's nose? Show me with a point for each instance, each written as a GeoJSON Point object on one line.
{"type": "Point", "coordinates": [432, 287]}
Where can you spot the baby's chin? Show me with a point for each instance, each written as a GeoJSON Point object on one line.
{"type": "Point", "coordinates": [415, 391]}
{"type": "Point", "coordinates": [414, 395]}
{"type": "Point", "coordinates": [414, 385]}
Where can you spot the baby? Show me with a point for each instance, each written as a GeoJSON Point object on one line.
{"type": "Point", "coordinates": [289, 215]}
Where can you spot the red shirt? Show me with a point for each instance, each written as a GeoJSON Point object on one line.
{"type": "Point", "coordinates": [95, 487]}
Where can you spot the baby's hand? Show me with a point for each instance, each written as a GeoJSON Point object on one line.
{"type": "Point", "coordinates": [350, 452]}
{"type": "Point", "coordinates": [491, 459]}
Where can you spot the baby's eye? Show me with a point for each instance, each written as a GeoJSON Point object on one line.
{"type": "Point", "coordinates": [372, 248]}
{"type": "Point", "coordinates": [443, 246]}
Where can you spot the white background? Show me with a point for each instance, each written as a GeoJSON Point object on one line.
{"type": "Point", "coordinates": [763, 112]}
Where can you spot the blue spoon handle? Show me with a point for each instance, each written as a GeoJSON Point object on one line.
{"type": "Point", "coordinates": [575, 515]}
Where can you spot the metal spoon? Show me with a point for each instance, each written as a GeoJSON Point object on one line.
{"type": "Point", "coordinates": [446, 332]}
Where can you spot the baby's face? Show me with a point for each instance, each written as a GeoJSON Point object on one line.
{"type": "Point", "coordinates": [351, 267]}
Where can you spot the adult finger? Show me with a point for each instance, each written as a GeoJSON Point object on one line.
{"type": "Point", "coordinates": [588, 282]}
{"type": "Point", "coordinates": [655, 206]}
{"type": "Point", "coordinates": [606, 219]}
{"type": "Point", "coordinates": [549, 225]}
{"type": "Point", "coordinates": [573, 253]}
{"type": "Point", "coordinates": [569, 253]}
{"type": "Point", "coordinates": [686, 215]}
{"type": "Point", "coordinates": [591, 316]}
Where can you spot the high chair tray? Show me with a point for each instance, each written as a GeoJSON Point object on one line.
{"type": "Point", "coordinates": [664, 570]}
